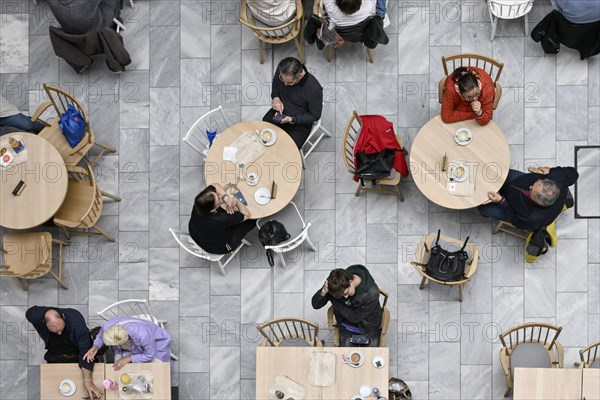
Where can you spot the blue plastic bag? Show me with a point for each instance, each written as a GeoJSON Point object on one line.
{"type": "Point", "coordinates": [72, 125]}
{"type": "Point", "coordinates": [211, 136]}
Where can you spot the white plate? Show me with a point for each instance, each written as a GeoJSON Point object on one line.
{"type": "Point", "coordinates": [67, 387]}
{"type": "Point", "coordinates": [453, 175]}
{"type": "Point", "coordinates": [378, 362]}
{"type": "Point", "coordinates": [252, 179]}
{"type": "Point", "coordinates": [262, 196]}
{"type": "Point", "coordinates": [273, 137]}
{"type": "Point", "coordinates": [459, 136]}
{"type": "Point", "coordinates": [360, 362]}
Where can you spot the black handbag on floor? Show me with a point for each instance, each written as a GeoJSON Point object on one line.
{"type": "Point", "coordinates": [272, 233]}
{"type": "Point", "coordinates": [445, 265]}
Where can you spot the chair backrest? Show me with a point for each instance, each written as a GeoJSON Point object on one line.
{"type": "Point", "coordinates": [589, 355]}
{"type": "Point", "coordinates": [279, 330]}
{"type": "Point", "coordinates": [214, 120]}
{"type": "Point", "coordinates": [488, 64]}
{"type": "Point", "coordinates": [385, 320]}
{"type": "Point", "coordinates": [428, 241]}
{"type": "Point", "coordinates": [533, 332]}
{"type": "Point", "coordinates": [136, 308]}
{"type": "Point", "coordinates": [187, 243]}
{"type": "Point", "coordinates": [294, 242]}
{"type": "Point", "coordinates": [351, 133]}
{"type": "Point", "coordinates": [78, 208]}
{"type": "Point", "coordinates": [60, 101]}
{"type": "Point", "coordinates": [273, 34]}
{"type": "Point", "coordinates": [27, 267]}
{"type": "Point", "coordinates": [510, 10]}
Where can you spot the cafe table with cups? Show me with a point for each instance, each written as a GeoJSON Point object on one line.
{"type": "Point", "coordinates": [455, 165]}
{"type": "Point", "coordinates": [350, 373]}
{"type": "Point", "coordinates": [258, 163]}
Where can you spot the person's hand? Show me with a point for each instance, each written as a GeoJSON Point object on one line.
{"type": "Point", "coordinates": [121, 363]}
{"type": "Point", "coordinates": [91, 390]}
{"type": "Point", "coordinates": [476, 107]}
{"type": "Point", "coordinates": [286, 120]}
{"type": "Point", "coordinates": [277, 105]}
{"type": "Point", "coordinates": [91, 353]}
{"type": "Point", "coordinates": [544, 170]}
{"type": "Point", "coordinates": [324, 289]}
{"type": "Point", "coordinates": [494, 197]}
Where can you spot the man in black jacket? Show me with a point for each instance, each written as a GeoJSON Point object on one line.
{"type": "Point", "coordinates": [67, 339]}
{"type": "Point", "coordinates": [531, 201]}
{"type": "Point", "coordinates": [297, 100]}
{"type": "Point", "coordinates": [355, 299]}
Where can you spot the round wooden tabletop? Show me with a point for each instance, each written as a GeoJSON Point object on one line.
{"type": "Point", "coordinates": [46, 179]}
{"type": "Point", "coordinates": [281, 163]}
{"type": "Point", "coordinates": [488, 155]}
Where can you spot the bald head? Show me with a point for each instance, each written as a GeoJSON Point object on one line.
{"type": "Point", "coordinates": [54, 321]}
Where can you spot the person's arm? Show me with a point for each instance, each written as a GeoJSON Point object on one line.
{"type": "Point", "coordinates": [142, 337]}
{"type": "Point", "coordinates": [485, 114]}
{"type": "Point", "coordinates": [563, 176]}
{"type": "Point", "coordinates": [521, 222]}
{"type": "Point", "coordinates": [315, 107]}
{"type": "Point", "coordinates": [449, 112]}
{"type": "Point", "coordinates": [242, 209]}
{"type": "Point", "coordinates": [82, 339]}
{"type": "Point", "coordinates": [275, 86]}
{"type": "Point", "coordinates": [35, 315]}
{"type": "Point", "coordinates": [88, 384]}
{"type": "Point", "coordinates": [358, 314]}
{"type": "Point", "coordinates": [321, 297]}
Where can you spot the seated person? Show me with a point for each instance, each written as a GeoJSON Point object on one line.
{"type": "Point", "coordinates": [578, 11]}
{"type": "Point", "coordinates": [67, 338]}
{"type": "Point", "coordinates": [133, 340]}
{"type": "Point", "coordinates": [297, 97]}
{"type": "Point", "coordinates": [354, 296]}
{"type": "Point", "coordinates": [531, 201]}
{"type": "Point", "coordinates": [273, 12]}
{"type": "Point", "coordinates": [10, 116]}
{"type": "Point", "coordinates": [352, 12]}
{"type": "Point", "coordinates": [219, 221]}
{"type": "Point", "coordinates": [469, 93]}
{"type": "Point", "coordinates": [82, 16]}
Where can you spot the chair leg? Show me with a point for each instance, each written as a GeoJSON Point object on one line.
{"type": "Point", "coordinates": [461, 292]}
{"type": "Point", "coordinates": [422, 286]}
{"type": "Point", "coordinates": [300, 47]}
{"type": "Point", "coordinates": [24, 285]}
{"type": "Point", "coordinates": [312, 246]}
{"type": "Point", "coordinates": [221, 267]}
{"type": "Point", "coordinates": [526, 25]}
{"type": "Point", "coordinates": [111, 196]}
{"type": "Point", "coordinates": [358, 190]}
{"type": "Point", "coordinates": [282, 259]}
{"type": "Point", "coordinates": [174, 357]}
{"type": "Point", "coordinates": [370, 54]}
{"type": "Point", "coordinates": [59, 279]}
{"type": "Point", "coordinates": [261, 52]}
{"type": "Point", "coordinates": [103, 233]}
{"type": "Point", "coordinates": [329, 53]}
{"type": "Point", "coordinates": [494, 24]}
{"type": "Point", "coordinates": [508, 390]}
{"type": "Point", "coordinates": [399, 193]}
{"type": "Point", "coordinates": [66, 232]}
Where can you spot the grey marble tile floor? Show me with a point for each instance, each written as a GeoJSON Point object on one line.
{"type": "Point", "coordinates": [189, 56]}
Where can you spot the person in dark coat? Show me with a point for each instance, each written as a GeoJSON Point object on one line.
{"type": "Point", "coordinates": [531, 201]}
{"type": "Point", "coordinates": [83, 16]}
{"type": "Point", "coordinates": [354, 296]}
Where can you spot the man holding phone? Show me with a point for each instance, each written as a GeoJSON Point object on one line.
{"type": "Point", "coordinates": [354, 296]}
{"type": "Point", "coordinates": [297, 100]}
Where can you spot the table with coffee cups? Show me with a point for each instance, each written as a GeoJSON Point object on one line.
{"type": "Point", "coordinates": [270, 180]}
{"type": "Point", "coordinates": [340, 373]}
{"type": "Point", "coordinates": [33, 180]}
{"type": "Point", "coordinates": [455, 165]}
{"type": "Point", "coordinates": [60, 381]}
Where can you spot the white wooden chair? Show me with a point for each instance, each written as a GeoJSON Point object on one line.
{"type": "Point", "coordinates": [214, 120]}
{"type": "Point", "coordinates": [294, 224]}
{"type": "Point", "coordinates": [135, 308]}
{"type": "Point", "coordinates": [508, 9]}
{"type": "Point", "coordinates": [185, 240]}
{"type": "Point", "coordinates": [313, 140]}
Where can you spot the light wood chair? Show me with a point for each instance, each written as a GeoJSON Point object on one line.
{"type": "Point", "coordinates": [488, 64]}
{"type": "Point", "coordinates": [501, 9]}
{"type": "Point", "coordinates": [291, 30]}
{"type": "Point", "coordinates": [59, 100]}
{"type": "Point", "coordinates": [590, 356]}
{"type": "Point", "coordinates": [29, 256]}
{"type": "Point", "coordinates": [531, 345]}
{"type": "Point", "coordinates": [187, 243]}
{"type": "Point", "coordinates": [349, 140]}
{"type": "Point", "coordinates": [507, 227]}
{"type": "Point", "coordinates": [215, 121]}
{"type": "Point", "coordinates": [82, 207]}
{"type": "Point", "coordinates": [136, 308]}
{"type": "Point", "coordinates": [319, 10]}
{"type": "Point", "coordinates": [290, 332]}
{"type": "Point", "coordinates": [422, 256]}
{"type": "Point", "coordinates": [385, 321]}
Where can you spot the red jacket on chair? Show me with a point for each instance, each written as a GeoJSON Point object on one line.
{"type": "Point", "coordinates": [377, 134]}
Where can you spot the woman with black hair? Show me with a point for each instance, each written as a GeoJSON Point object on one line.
{"type": "Point", "coordinates": [219, 221]}
{"type": "Point", "coordinates": [468, 93]}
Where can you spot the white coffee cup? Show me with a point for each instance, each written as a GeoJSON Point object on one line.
{"type": "Point", "coordinates": [365, 390]}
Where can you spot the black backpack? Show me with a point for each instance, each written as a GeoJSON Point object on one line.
{"type": "Point", "coordinates": [376, 165]}
{"type": "Point", "coordinates": [445, 265]}
{"type": "Point", "coordinates": [271, 233]}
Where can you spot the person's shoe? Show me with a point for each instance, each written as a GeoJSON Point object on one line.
{"type": "Point", "coordinates": [386, 21]}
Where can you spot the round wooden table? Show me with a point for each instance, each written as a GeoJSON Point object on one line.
{"type": "Point", "coordinates": [280, 162]}
{"type": "Point", "coordinates": [45, 175]}
{"type": "Point", "coordinates": [487, 153]}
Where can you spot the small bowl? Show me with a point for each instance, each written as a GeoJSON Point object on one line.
{"type": "Point", "coordinates": [252, 179]}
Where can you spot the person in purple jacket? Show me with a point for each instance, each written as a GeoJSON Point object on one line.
{"type": "Point", "coordinates": [132, 340]}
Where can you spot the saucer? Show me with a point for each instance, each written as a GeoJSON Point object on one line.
{"type": "Point", "coordinates": [453, 172]}
{"type": "Point", "coordinates": [252, 179]}
{"type": "Point", "coordinates": [378, 362]}
{"type": "Point", "coordinates": [67, 387]}
{"type": "Point", "coordinates": [273, 137]}
{"type": "Point", "coordinates": [262, 196]}
{"type": "Point", "coordinates": [360, 362]}
{"type": "Point", "coordinates": [461, 139]}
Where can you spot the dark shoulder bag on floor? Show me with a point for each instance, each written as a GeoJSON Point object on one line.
{"type": "Point", "coordinates": [444, 265]}
{"type": "Point", "coordinates": [271, 233]}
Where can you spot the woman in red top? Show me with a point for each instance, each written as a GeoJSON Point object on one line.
{"type": "Point", "coordinates": [469, 93]}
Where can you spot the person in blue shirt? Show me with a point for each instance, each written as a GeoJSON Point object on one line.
{"type": "Point", "coordinates": [578, 11]}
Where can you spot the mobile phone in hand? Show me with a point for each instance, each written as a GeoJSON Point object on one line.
{"type": "Point", "coordinates": [278, 118]}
